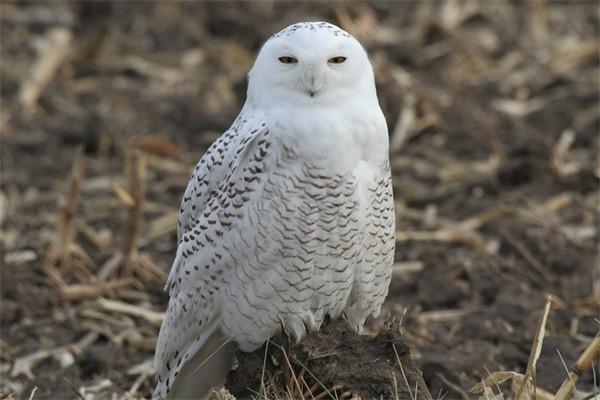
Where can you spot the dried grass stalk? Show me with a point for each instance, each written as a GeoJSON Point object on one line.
{"type": "Point", "coordinates": [58, 42]}
{"type": "Point", "coordinates": [90, 291]}
{"type": "Point", "coordinates": [135, 170]}
{"type": "Point", "coordinates": [534, 355]}
{"type": "Point", "coordinates": [585, 361]}
{"type": "Point", "coordinates": [64, 252]}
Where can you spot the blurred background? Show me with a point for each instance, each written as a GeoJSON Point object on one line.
{"type": "Point", "coordinates": [493, 115]}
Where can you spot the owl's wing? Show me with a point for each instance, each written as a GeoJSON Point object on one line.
{"type": "Point", "coordinates": [207, 176]}
{"type": "Point", "coordinates": [225, 180]}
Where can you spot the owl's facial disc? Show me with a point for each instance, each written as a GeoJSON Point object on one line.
{"type": "Point", "coordinates": [310, 63]}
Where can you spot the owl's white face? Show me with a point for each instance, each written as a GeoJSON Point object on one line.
{"type": "Point", "coordinates": [311, 63]}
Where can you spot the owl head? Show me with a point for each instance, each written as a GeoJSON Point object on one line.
{"type": "Point", "coordinates": [311, 63]}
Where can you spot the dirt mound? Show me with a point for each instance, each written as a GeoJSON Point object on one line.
{"type": "Point", "coordinates": [335, 357]}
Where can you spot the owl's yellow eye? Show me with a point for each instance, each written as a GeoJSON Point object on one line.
{"type": "Point", "coordinates": [337, 60]}
{"type": "Point", "coordinates": [288, 60]}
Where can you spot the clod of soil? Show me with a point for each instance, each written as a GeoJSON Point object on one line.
{"type": "Point", "coordinates": [336, 356]}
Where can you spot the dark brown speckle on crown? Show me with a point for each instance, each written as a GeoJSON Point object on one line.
{"type": "Point", "coordinates": [312, 26]}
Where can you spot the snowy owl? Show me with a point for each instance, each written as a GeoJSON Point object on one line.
{"type": "Point", "coordinates": [289, 216]}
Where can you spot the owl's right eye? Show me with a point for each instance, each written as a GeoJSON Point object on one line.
{"type": "Point", "coordinates": [288, 60]}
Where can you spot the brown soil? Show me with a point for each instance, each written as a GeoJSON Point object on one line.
{"type": "Point", "coordinates": [496, 179]}
{"type": "Point", "coordinates": [371, 367]}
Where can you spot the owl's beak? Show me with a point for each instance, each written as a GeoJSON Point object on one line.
{"type": "Point", "coordinates": [312, 80]}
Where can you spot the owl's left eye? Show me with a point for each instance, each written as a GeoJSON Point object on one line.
{"type": "Point", "coordinates": [288, 60]}
{"type": "Point", "coordinates": [337, 60]}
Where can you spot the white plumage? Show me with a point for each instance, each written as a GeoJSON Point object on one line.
{"type": "Point", "coordinates": [289, 216]}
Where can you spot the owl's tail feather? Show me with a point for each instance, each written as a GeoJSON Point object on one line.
{"type": "Point", "coordinates": [206, 370]}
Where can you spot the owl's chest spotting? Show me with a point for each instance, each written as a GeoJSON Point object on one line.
{"type": "Point", "coordinates": [313, 210]}
{"type": "Point", "coordinates": [302, 244]}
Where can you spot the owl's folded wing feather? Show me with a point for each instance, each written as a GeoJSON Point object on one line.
{"type": "Point", "coordinates": [212, 168]}
{"type": "Point", "coordinates": [221, 185]}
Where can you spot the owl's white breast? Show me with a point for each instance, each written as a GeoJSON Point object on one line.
{"type": "Point", "coordinates": [340, 137]}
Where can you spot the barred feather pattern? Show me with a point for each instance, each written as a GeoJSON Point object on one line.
{"type": "Point", "coordinates": [268, 237]}
{"type": "Point", "coordinates": [318, 247]}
